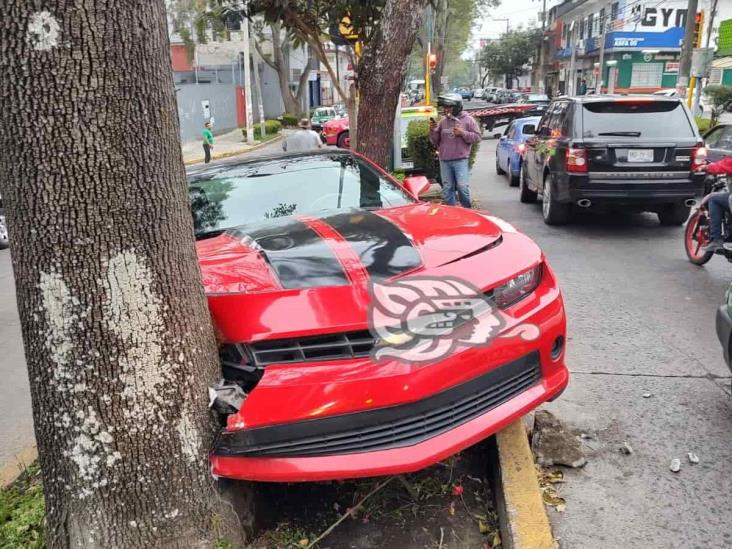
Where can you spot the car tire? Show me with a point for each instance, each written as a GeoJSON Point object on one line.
{"type": "Point", "coordinates": [674, 215]}
{"type": "Point", "coordinates": [499, 170]}
{"type": "Point", "coordinates": [554, 212]}
{"type": "Point", "coordinates": [343, 140]}
{"type": "Point", "coordinates": [526, 195]}
{"type": "Point", "coordinates": [513, 178]}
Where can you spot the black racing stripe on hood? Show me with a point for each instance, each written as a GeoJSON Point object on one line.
{"type": "Point", "coordinates": [300, 257]}
{"type": "Point", "coordinates": [384, 249]}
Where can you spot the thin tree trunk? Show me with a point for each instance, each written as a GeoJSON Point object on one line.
{"type": "Point", "coordinates": [380, 75]}
{"type": "Point", "coordinates": [117, 337]}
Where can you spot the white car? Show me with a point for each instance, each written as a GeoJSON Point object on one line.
{"type": "Point", "coordinates": [478, 93]}
{"type": "Point", "coordinates": [671, 92]}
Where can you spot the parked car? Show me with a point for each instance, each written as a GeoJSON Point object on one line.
{"type": "Point", "coordinates": [511, 146]}
{"type": "Point", "coordinates": [289, 247]}
{"type": "Point", "coordinates": [534, 98]}
{"type": "Point", "coordinates": [335, 132]}
{"type": "Point", "coordinates": [478, 93]}
{"type": "Point", "coordinates": [638, 153]}
{"type": "Point", "coordinates": [465, 93]}
{"type": "Point", "coordinates": [489, 94]}
{"type": "Point", "coordinates": [321, 115]}
{"type": "Point", "coordinates": [718, 141]}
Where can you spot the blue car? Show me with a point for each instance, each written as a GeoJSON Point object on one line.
{"type": "Point", "coordinates": [510, 149]}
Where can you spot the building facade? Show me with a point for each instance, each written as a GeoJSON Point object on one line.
{"type": "Point", "coordinates": [638, 41]}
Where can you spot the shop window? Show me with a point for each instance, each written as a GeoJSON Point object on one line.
{"type": "Point", "coordinates": [646, 75]}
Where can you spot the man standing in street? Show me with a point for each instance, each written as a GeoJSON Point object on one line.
{"type": "Point", "coordinates": [207, 142]}
{"type": "Point", "coordinates": [303, 139]}
{"type": "Point", "coordinates": [453, 137]}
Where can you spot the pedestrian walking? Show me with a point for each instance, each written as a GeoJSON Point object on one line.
{"type": "Point", "coordinates": [208, 141]}
{"type": "Point", "coordinates": [304, 139]}
{"type": "Point", "coordinates": [454, 137]}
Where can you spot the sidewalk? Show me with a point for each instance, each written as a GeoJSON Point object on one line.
{"type": "Point", "coordinates": [226, 144]}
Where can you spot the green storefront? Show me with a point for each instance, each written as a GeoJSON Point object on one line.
{"type": "Point", "coordinates": [639, 72]}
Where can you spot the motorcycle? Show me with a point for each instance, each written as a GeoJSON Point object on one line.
{"type": "Point", "coordinates": [696, 234]}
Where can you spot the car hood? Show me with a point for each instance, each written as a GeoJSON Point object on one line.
{"type": "Point", "coordinates": [315, 272]}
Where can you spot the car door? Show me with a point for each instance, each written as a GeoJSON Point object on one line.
{"type": "Point", "coordinates": [504, 145]}
{"type": "Point", "coordinates": [719, 142]}
{"type": "Point", "coordinates": [552, 141]}
{"type": "Point", "coordinates": [535, 146]}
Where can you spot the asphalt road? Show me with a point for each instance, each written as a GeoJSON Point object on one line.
{"type": "Point", "coordinates": [640, 319]}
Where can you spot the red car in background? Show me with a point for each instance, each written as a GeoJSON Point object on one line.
{"type": "Point", "coordinates": [335, 132]}
{"type": "Point", "coordinates": [300, 253]}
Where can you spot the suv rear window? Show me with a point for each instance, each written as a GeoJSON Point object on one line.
{"type": "Point", "coordinates": [643, 119]}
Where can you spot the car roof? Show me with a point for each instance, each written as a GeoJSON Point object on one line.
{"type": "Point", "coordinates": [528, 120]}
{"type": "Point", "coordinates": [604, 98]}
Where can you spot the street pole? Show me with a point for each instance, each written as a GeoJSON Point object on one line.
{"type": "Point", "coordinates": [601, 81]}
{"type": "Point", "coordinates": [247, 83]}
{"type": "Point", "coordinates": [687, 49]}
{"type": "Point", "coordinates": [572, 59]}
{"type": "Point", "coordinates": [698, 94]}
{"type": "Point", "coordinates": [257, 84]}
{"type": "Point", "coordinates": [541, 78]}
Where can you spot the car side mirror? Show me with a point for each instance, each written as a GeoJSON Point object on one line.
{"type": "Point", "coordinates": [544, 131]}
{"type": "Point", "coordinates": [416, 185]}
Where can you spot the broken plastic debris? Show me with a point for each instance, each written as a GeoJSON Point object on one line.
{"type": "Point", "coordinates": [647, 395]}
{"type": "Point", "coordinates": [675, 465]}
{"type": "Point", "coordinates": [586, 436]}
{"type": "Point", "coordinates": [693, 458]}
{"type": "Point", "coordinates": [226, 397]}
{"type": "Point", "coordinates": [626, 449]}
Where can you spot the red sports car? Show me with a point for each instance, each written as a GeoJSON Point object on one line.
{"type": "Point", "coordinates": [364, 331]}
{"type": "Point", "coordinates": [335, 132]}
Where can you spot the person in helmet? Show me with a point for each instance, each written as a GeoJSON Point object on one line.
{"type": "Point", "coordinates": [454, 137]}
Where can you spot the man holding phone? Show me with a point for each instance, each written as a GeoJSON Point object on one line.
{"type": "Point", "coordinates": [453, 137]}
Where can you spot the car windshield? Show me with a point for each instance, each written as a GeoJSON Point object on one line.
{"type": "Point", "coordinates": [228, 197]}
{"type": "Point", "coordinates": [630, 118]}
{"type": "Point", "coordinates": [324, 112]}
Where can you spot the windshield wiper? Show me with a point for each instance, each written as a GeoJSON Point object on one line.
{"type": "Point", "coordinates": [625, 134]}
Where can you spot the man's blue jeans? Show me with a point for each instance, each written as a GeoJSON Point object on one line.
{"type": "Point", "coordinates": [455, 176]}
{"type": "Point", "coordinates": [718, 204]}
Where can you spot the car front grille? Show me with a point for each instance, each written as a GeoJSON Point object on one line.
{"type": "Point", "coordinates": [322, 347]}
{"type": "Point", "coordinates": [384, 428]}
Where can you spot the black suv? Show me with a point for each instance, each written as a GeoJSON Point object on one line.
{"type": "Point", "coordinates": [633, 152]}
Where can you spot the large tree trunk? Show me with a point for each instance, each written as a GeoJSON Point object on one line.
{"type": "Point", "coordinates": [380, 76]}
{"type": "Point", "coordinates": [118, 341]}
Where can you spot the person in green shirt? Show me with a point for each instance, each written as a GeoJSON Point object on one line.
{"type": "Point", "coordinates": [207, 142]}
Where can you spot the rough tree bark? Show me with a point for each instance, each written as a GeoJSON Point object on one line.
{"type": "Point", "coordinates": [117, 337]}
{"type": "Point", "coordinates": [380, 76]}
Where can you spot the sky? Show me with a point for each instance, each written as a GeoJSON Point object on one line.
{"type": "Point", "coordinates": [519, 12]}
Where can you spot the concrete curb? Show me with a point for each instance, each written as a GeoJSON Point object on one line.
{"type": "Point", "coordinates": [521, 513]}
{"type": "Point", "coordinates": [11, 470]}
{"type": "Point", "coordinates": [228, 154]}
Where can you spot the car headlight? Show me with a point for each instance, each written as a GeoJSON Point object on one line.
{"type": "Point", "coordinates": [517, 288]}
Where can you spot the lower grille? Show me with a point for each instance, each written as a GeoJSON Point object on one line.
{"type": "Point", "coordinates": [384, 428]}
{"type": "Point", "coordinates": [322, 347]}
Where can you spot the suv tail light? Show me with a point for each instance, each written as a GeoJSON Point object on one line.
{"type": "Point", "coordinates": [577, 160]}
{"type": "Point", "coordinates": [698, 157]}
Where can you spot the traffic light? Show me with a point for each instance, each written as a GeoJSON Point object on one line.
{"type": "Point", "coordinates": [698, 25]}
{"type": "Point", "coordinates": [432, 62]}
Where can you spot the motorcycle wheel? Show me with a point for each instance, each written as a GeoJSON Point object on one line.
{"type": "Point", "coordinates": [696, 236]}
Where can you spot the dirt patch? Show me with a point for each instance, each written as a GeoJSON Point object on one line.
{"type": "Point", "coordinates": [449, 505]}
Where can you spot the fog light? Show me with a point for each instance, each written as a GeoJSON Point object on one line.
{"type": "Point", "coordinates": [557, 348]}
